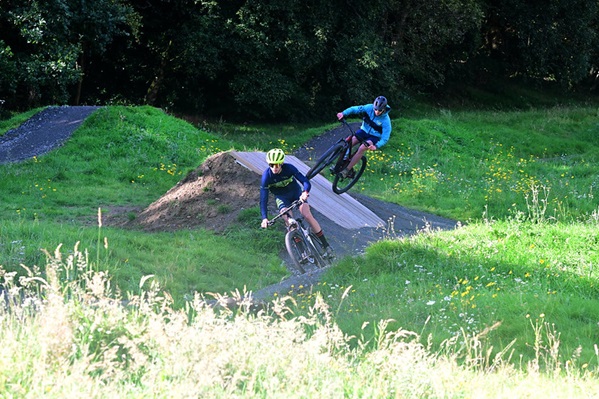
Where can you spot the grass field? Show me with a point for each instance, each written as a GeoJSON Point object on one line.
{"type": "Point", "coordinates": [504, 306]}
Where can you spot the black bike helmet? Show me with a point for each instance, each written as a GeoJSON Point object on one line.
{"type": "Point", "coordinates": [380, 103]}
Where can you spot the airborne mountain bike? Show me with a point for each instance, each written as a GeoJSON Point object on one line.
{"type": "Point", "coordinates": [339, 156]}
{"type": "Point", "coordinates": [303, 246]}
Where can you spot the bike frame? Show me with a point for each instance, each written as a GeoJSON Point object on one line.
{"type": "Point", "coordinates": [335, 155]}
{"type": "Point", "coordinates": [304, 231]}
{"type": "Point", "coordinates": [348, 148]}
{"type": "Point", "coordinates": [295, 204]}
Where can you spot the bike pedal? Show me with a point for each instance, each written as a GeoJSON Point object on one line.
{"type": "Point", "coordinates": [328, 254]}
{"type": "Point", "coordinates": [348, 174]}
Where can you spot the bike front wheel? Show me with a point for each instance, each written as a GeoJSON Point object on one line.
{"type": "Point", "coordinates": [326, 159]}
{"type": "Point", "coordinates": [298, 250]}
{"type": "Point", "coordinates": [319, 251]}
{"type": "Point", "coordinates": [342, 184]}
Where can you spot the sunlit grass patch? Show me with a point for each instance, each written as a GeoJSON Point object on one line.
{"type": "Point", "coordinates": [505, 304]}
{"type": "Point", "coordinates": [465, 163]}
{"type": "Point", "coordinates": [467, 280]}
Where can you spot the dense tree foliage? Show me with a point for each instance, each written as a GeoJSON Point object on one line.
{"type": "Point", "coordinates": [552, 39]}
{"type": "Point", "coordinates": [45, 45]}
{"type": "Point", "coordinates": [283, 59]}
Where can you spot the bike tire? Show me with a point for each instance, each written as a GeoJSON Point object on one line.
{"type": "Point", "coordinates": [326, 159]}
{"type": "Point", "coordinates": [342, 184]}
{"type": "Point", "coordinates": [318, 249]}
{"type": "Point", "coordinates": [296, 247]}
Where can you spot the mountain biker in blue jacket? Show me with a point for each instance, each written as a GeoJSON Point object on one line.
{"type": "Point", "coordinates": [282, 180]}
{"type": "Point", "coordinates": [375, 129]}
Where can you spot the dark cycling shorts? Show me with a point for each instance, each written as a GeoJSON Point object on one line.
{"type": "Point", "coordinates": [362, 135]}
{"type": "Point", "coordinates": [284, 200]}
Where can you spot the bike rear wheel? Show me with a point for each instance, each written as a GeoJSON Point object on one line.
{"type": "Point", "coordinates": [326, 159]}
{"type": "Point", "coordinates": [342, 184]}
{"type": "Point", "coordinates": [298, 250]}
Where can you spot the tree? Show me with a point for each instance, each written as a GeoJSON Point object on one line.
{"type": "Point", "coordinates": [550, 40]}
{"type": "Point", "coordinates": [38, 62]}
{"type": "Point", "coordinates": [93, 25]}
{"type": "Point", "coordinates": [283, 59]}
{"type": "Point", "coordinates": [47, 42]}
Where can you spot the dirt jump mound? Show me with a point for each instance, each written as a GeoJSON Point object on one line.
{"type": "Point", "coordinates": [211, 197]}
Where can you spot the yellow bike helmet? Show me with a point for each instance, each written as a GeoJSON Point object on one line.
{"type": "Point", "coordinates": [275, 156]}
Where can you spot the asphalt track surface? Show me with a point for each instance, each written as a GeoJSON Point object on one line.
{"type": "Point", "coordinates": [50, 128]}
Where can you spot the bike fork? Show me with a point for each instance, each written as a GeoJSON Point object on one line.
{"type": "Point", "coordinates": [305, 243]}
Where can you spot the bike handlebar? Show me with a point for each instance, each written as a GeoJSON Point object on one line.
{"type": "Point", "coordinates": [291, 207]}
{"type": "Point", "coordinates": [344, 122]}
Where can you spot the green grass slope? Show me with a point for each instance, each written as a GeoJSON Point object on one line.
{"type": "Point", "coordinates": [119, 158]}
{"type": "Point", "coordinates": [520, 274]}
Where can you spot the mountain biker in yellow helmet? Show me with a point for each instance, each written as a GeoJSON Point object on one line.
{"type": "Point", "coordinates": [283, 181]}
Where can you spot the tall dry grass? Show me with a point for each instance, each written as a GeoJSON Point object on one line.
{"type": "Point", "coordinates": [66, 334]}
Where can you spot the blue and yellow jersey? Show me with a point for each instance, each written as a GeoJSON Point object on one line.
{"type": "Point", "coordinates": [281, 185]}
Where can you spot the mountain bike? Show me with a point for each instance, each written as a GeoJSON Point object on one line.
{"type": "Point", "coordinates": [341, 154]}
{"type": "Point", "coordinates": [303, 246]}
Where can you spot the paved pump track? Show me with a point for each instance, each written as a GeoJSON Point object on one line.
{"type": "Point", "coordinates": [351, 221]}
{"type": "Point", "coordinates": [342, 209]}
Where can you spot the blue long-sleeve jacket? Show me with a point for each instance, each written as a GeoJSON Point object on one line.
{"type": "Point", "coordinates": [280, 184]}
{"type": "Point", "coordinates": [382, 122]}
